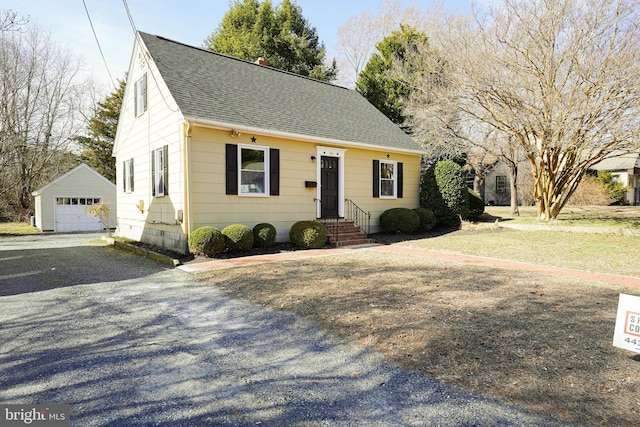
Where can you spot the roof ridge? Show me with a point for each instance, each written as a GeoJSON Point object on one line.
{"type": "Point", "coordinates": [268, 67]}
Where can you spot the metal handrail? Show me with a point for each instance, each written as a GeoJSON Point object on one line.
{"type": "Point", "coordinates": [356, 214]}
{"type": "Point", "coordinates": [332, 224]}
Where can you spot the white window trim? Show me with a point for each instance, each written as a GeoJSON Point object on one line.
{"type": "Point", "coordinates": [158, 173]}
{"type": "Point", "coordinates": [140, 94]}
{"type": "Point", "coordinates": [128, 176]}
{"type": "Point", "coordinates": [266, 170]}
{"type": "Point", "coordinates": [394, 179]}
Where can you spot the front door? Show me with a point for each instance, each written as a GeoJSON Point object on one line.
{"type": "Point", "coordinates": [329, 187]}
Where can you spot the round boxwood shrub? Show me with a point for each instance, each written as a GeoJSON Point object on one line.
{"type": "Point", "coordinates": [427, 219]}
{"type": "Point", "coordinates": [399, 220]}
{"type": "Point", "coordinates": [264, 235]}
{"type": "Point", "coordinates": [238, 237]}
{"type": "Point", "coordinates": [206, 241]}
{"type": "Point", "coordinates": [476, 205]}
{"type": "Point", "coordinates": [308, 234]}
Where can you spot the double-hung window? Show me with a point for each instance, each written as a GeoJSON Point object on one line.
{"type": "Point", "coordinates": [140, 95]}
{"type": "Point", "coordinates": [253, 165]}
{"type": "Point", "coordinates": [501, 184]}
{"type": "Point", "coordinates": [252, 170]}
{"type": "Point", "coordinates": [387, 179]}
{"type": "Point", "coordinates": [160, 171]}
{"type": "Point", "coordinates": [127, 171]}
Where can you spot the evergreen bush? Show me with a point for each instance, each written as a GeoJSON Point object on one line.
{"type": "Point", "coordinates": [453, 187]}
{"type": "Point", "coordinates": [264, 235]}
{"type": "Point", "coordinates": [430, 198]}
{"type": "Point", "coordinates": [400, 220]}
{"type": "Point", "coordinates": [238, 237]}
{"type": "Point", "coordinates": [427, 219]}
{"type": "Point", "coordinates": [308, 234]}
{"type": "Point", "coordinates": [476, 205]}
{"type": "Point", "coordinates": [206, 241]}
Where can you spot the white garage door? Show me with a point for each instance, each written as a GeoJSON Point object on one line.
{"type": "Point", "coordinates": [71, 214]}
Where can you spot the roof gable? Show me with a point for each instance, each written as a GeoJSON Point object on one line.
{"type": "Point", "coordinates": [80, 167]}
{"type": "Point", "coordinates": [617, 161]}
{"type": "Point", "coordinates": [221, 89]}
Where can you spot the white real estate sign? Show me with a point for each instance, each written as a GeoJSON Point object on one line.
{"type": "Point", "coordinates": [627, 332]}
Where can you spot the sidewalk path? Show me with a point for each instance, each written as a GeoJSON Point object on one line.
{"type": "Point", "coordinates": [459, 258]}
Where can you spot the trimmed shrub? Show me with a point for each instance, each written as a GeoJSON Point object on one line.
{"type": "Point", "coordinates": [238, 237]}
{"type": "Point", "coordinates": [400, 220]}
{"type": "Point", "coordinates": [206, 241]}
{"type": "Point", "coordinates": [453, 187]}
{"type": "Point", "coordinates": [476, 205]}
{"type": "Point", "coordinates": [431, 199]}
{"type": "Point", "coordinates": [264, 235]}
{"type": "Point", "coordinates": [308, 234]}
{"type": "Point", "coordinates": [427, 219]}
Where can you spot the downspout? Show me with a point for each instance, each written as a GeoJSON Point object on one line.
{"type": "Point", "coordinates": [187, 176]}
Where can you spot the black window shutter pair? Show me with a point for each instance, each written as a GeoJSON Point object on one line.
{"type": "Point", "coordinates": [231, 161]}
{"type": "Point", "coordinates": [376, 179]}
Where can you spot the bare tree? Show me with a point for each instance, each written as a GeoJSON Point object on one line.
{"type": "Point", "coordinates": [358, 36]}
{"type": "Point", "coordinates": [39, 97]}
{"type": "Point", "coordinates": [561, 78]}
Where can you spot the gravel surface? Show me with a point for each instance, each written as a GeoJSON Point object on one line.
{"type": "Point", "coordinates": [126, 341]}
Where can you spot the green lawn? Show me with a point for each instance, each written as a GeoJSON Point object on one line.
{"type": "Point", "coordinates": [16, 229]}
{"type": "Point", "coordinates": [603, 253]}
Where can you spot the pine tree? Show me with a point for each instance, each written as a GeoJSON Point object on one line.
{"type": "Point", "coordinates": [101, 132]}
{"type": "Point", "coordinates": [281, 35]}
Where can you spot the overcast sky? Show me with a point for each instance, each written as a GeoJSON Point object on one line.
{"type": "Point", "coordinates": [186, 21]}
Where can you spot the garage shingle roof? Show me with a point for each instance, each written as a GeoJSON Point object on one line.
{"type": "Point", "coordinates": [219, 88]}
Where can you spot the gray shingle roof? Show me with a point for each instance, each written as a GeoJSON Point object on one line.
{"type": "Point", "coordinates": [219, 88]}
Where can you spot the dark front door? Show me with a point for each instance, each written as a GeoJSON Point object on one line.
{"type": "Point", "coordinates": [329, 187]}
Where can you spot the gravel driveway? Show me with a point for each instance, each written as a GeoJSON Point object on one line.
{"type": "Point", "coordinates": [126, 341]}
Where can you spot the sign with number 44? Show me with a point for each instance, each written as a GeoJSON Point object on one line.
{"type": "Point", "coordinates": [627, 332]}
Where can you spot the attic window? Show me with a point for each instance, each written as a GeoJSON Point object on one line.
{"type": "Point", "coordinates": [140, 95]}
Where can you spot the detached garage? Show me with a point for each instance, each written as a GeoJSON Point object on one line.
{"type": "Point", "coordinates": [61, 205]}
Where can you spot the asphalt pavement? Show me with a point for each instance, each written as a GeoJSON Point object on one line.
{"type": "Point", "coordinates": [126, 341]}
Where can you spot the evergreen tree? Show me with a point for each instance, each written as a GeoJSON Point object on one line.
{"type": "Point", "coordinates": [377, 83]}
{"type": "Point", "coordinates": [250, 30]}
{"type": "Point", "coordinates": [101, 132]}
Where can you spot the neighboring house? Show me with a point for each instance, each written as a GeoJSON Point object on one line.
{"type": "Point", "coordinates": [497, 190]}
{"type": "Point", "coordinates": [61, 205]}
{"type": "Point", "coordinates": [625, 169]}
{"type": "Point", "coordinates": [206, 139]}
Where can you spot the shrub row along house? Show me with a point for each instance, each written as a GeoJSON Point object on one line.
{"type": "Point", "coordinates": [206, 139]}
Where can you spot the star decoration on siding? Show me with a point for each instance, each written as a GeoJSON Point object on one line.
{"type": "Point", "coordinates": [253, 139]}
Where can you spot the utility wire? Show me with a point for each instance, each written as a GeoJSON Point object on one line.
{"type": "Point", "coordinates": [98, 42]}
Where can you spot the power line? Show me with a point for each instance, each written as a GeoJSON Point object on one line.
{"type": "Point", "coordinates": [98, 42]}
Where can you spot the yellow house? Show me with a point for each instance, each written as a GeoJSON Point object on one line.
{"type": "Point", "coordinates": [206, 139]}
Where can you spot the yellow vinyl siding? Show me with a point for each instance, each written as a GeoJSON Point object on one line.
{"type": "Point", "coordinates": [211, 206]}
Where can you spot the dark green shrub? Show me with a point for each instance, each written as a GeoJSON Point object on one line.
{"type": "Point", "coordinates": [427, 219]}
{"type": "Point", "coordinates": [431, 199]}
{"type": "Point", "coordinates": [400, 220]}
{"type": "Point", "coordinates": [476, 205]}
{"type": "Point", "coordinates": [453, 187]}
{"type": "Point", "coordinates": [308, 234]}
{"type": "Point", "coordinates": [238, 237]}
{"type": "Point", "coordinates": [264, 235]}
{"type": "Point", "coordinates": [206, 241]}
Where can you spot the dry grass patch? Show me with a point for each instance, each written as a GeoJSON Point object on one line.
{"type": "Point", "coordinates": [530, 339]}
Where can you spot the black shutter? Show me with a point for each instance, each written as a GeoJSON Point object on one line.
{"type": "Point", "coordinates": [135, 99]}
{"type": "Point", "coordinates": [165, 165]}
{"type": "Point", "coordinates": [376, 178]}
{"type": "Point", "coordinates": [232, 169]}
{"type": "Point", "coordinates": [274, 172]}
{"type": "Point", "coordinates": [400, 181]}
